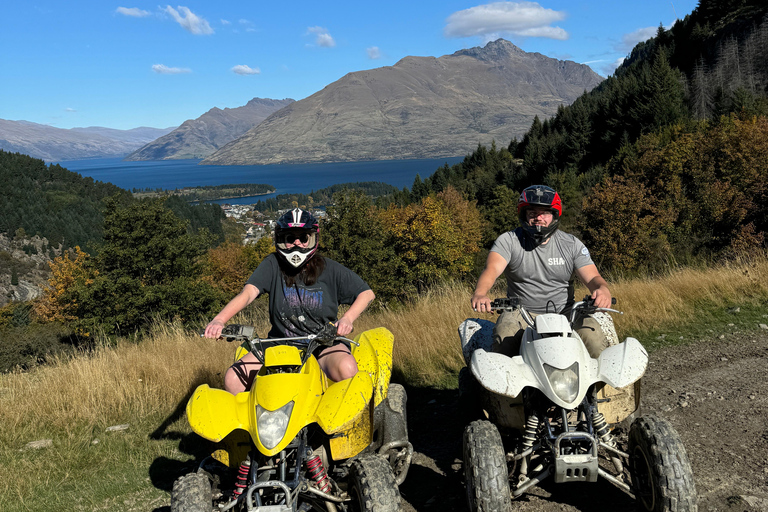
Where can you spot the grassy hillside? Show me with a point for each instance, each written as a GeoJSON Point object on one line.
{"type": "Point", "coordinates": [71, 403]}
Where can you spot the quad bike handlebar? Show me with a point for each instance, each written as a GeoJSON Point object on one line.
{"type": "Point", "coordinates": [585, 306]}
{"type": "Point", "coordinates": [236, 332]}
{"type": "Point", "coordinates": [326, 337]}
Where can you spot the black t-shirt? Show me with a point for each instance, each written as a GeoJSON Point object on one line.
{"type": "Point", "coordinates": [299, 310]}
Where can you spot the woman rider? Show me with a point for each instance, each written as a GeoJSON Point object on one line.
{"type": "Point", "coordinates": [305, 290]}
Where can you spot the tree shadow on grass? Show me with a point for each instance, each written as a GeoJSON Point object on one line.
{"type": "Point", "coordinates": [164, 471]}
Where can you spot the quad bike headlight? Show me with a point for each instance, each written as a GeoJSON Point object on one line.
{"type": "Point", "coordinates": [565, 383]}
{"type": "Point", "coordinates": [272, 424]}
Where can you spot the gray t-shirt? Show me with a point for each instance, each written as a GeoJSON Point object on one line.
{"type": "Point", "coordinates": [541, 275]}
{"type": "Point", "coordinates": [300, 309]}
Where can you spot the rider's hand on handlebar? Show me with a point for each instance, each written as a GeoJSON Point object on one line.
{"type": "Point", "coordinates": [481, 303]}
{"type": "Point", "coordinates": [602, 297]}
{"type": "Point", "coordinates": [343, 327]}
{"type": "Point", "coordinates": [213, 329]}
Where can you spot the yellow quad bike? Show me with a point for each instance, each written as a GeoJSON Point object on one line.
{"type": "Point", "coordinates": [298, 441]}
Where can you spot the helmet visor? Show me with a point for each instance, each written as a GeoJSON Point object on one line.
{"type": "Point", "coordinates": [288, 239]}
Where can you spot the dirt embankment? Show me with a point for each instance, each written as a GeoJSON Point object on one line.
{"type": "Point", "coordinates": [714, 392]}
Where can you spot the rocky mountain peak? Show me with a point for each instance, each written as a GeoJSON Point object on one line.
{"type": "Point", "coordinates": [499, 49]}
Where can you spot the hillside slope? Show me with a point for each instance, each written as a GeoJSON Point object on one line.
{"type": "Point", "coordinates": [198, 138]}
{"type": "Point", "coordinates": [422, 107]}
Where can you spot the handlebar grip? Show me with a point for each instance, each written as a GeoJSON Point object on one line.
{"type": "Point", "coordinates": [589, 300]}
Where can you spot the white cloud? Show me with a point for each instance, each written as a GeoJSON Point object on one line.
{"type": "Point", "coordinates": [132, 11]}
{"type": "Point", "coordinates": [242, 69]}
{"type": "Point", "coordinates": [189, 20]}
{"type": "Point", "coordinates": [70, 109]}
{"type": "Point", "coordinates": [226, 22]}
{"type": "Point", "coordinates": [162, 69]}
{"type": "Point", "coordinates": [628, 41]}
{"type": "Point", "coordinates": [323, 38]}
{"type": "Point", "coordinates": [373, 52]}
{"type": "Point", "coordinates": [521, 19]}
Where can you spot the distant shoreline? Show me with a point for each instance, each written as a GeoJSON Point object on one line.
{"type": "Point", "coordinates": [166, 193]}
{"type": "Point", "coordinates": [233, 197]}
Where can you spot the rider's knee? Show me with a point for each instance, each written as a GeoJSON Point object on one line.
{"type": "Point", "coordinates": [235, 382]}
{"type": "Point", "coordinates": [345, 369]}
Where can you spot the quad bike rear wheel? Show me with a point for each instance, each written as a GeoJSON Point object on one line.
{"type": "Point", "coordinates": [485, 469]}
{"type": "Point", "coordinates": [192, 493]}
{"type": "Point", "coordinates": [662, 479]}
{"type": "Point", "coordinates": [397, 398]}
{"type": "Point", "coordinates": [373, 485]}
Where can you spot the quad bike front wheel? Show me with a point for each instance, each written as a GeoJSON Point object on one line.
{"type": "Point", "coordinates": [192, 493]}
{"type": "Point", "coordinates": [485, 469]}
{"type": "Point", "coordinates": [662, 479]}
{"type": "Point", "coordinates": [373, 485]}
{"type": "Point", "coordinates": [469, 396]}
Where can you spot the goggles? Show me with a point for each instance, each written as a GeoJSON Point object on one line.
{"type": "Point", "coordinates": [289, 238]}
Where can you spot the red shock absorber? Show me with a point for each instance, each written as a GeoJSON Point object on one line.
{"type": "Point", "coordinates": [242, 477]}
{"type": "Point", "coordinates": [318, 473]}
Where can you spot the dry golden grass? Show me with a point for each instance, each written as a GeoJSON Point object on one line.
{"type": "Point", "coordinates": [427, 343]}
{"type": "Point", "coordinates": [152, 377]}
{"type": "Point", "coordinates": [662, 301]}
{"type": "Point", "coordinates": [111, 383]}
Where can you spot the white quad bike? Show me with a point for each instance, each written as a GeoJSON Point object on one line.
{"type": "Point", "coordinates": [551, 412]}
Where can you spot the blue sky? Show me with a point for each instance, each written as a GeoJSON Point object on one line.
{"type": "Point", "coordinates": [128, 64]}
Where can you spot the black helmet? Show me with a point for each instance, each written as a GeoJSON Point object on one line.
{"type": "Point", "coordinates": [540, 196]}
{"type": "Point", "coordinates": [292, 225]}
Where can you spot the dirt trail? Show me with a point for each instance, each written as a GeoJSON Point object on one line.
{"type": "Point", "coordinates": [714, 392]}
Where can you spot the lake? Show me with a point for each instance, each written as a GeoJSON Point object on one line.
{"type": "Point", "coordinates": [286, 178]}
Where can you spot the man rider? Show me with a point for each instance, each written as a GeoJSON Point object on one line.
{"type": "Point", "coordinates": [540, 263]}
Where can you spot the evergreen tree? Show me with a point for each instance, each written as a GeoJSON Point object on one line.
{"type": "Point", "coordinates": [148, 266]}
{"type": "Point", "coordinates": [352, 234]}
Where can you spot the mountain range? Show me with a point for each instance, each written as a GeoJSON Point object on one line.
{"type": "Point", "coordinates": [198, 138]}
{"type": "Point", "coordinates": [56, 144]}
{"type": "Point", "coordinates": [422, 107]}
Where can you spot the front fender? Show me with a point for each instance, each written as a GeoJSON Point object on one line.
{"type": "Point", "coordinates": [214, 413]}
{"type": "Point", "coordinates": [475, 333]}
{"type": "Point", "coordinates": [502, 374]}
{"type": "Point", "coordinates": [622, 364]}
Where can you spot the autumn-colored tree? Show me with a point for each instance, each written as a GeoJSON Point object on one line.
{"type": "Point", "coordinates": [436, 238]}
{"type": "Point", "coordinates": [465, 218]}
{"type": "Point", "coordinates": [619, 225]}
{"type": "Point", "coordinates": [229, 265]}
{"type": "Point", "coordinates": [54, 304]}
{"type": "Point", "coordinates": [685, 191]}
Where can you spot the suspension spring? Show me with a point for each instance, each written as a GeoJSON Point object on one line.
{"type": "Point", "coordinates": [242, 477]}
{"type": "Point", "coordinates": [601, 427]}
{"type": "Point", "coordinates": [531, 426]}
{"type": "Point", "coordinates": [602, 430]}
{"type": "Point", "coordinates": [318, 473]}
